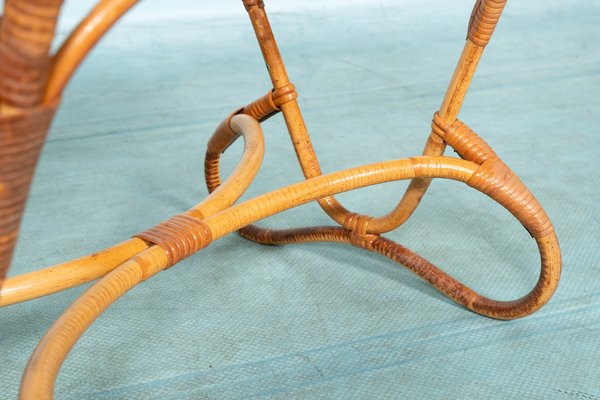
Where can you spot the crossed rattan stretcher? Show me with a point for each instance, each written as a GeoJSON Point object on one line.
{"type": "Point", "coordinates": [31, 83]}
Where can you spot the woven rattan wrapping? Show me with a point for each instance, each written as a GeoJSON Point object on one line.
{"type": "Point", "coordinates": [483, 20]}
{"type": "Point", "coordinates": [180, 237]}
{"type": "Point", "coordinates": [21, 138]}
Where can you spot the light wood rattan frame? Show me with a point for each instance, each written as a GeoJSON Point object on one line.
{"type": "Point", "coordinates": [32, 81]}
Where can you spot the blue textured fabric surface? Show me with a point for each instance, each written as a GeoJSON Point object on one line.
{"type": "Point", "coordinates": [245, 321]}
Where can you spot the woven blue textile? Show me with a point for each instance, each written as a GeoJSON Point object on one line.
{"type": "Point", "coordinates": [240, 320]}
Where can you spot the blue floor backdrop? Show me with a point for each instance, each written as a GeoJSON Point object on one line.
{"type": "Point", "coordinates": [242, 321]}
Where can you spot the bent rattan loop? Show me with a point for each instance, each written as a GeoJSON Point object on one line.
{"type": "Point", "coordinates": [180, 237]}
{"type": "Point", "coordinates": [26, 34]}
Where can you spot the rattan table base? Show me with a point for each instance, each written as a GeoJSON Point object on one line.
{"type": "Point", "coordinates": [31, 84]}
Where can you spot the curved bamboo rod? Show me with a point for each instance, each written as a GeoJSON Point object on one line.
{"type": "Point", "coordinates": [81, 41]}
{"type": "Point", "coordinates": [483, 22]}
{"type": "Point", "coordinates": [76, 272]}
{"type": "Point", "coordinates": [42, 370]}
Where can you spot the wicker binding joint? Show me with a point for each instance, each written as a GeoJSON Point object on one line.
{"type": "Point", "coordinates": [180, 237]}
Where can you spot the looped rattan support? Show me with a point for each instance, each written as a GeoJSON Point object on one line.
{"type": "Point", "coordinates": [180, 237]}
